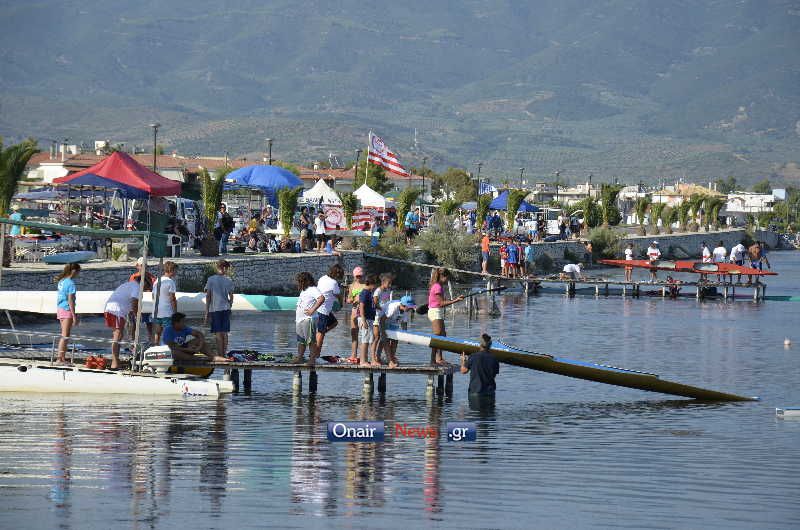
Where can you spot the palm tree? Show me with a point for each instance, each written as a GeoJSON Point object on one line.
{"type": "Point", "coordinates": [696, 203]}
{"type": "Point", "coordinates": [668, 216]}
{"type": "Point", "coordinates": [515, 198]}
{"type": "Point", "coordinates": [608, 200]}
{"type": "Point", "coordinates": [287, 204]}
{"type": "Point", "coordinates": [13, 160]}
{"type": "Point", "coordinates": [713, 207]}
{"type": "Point", "coordinates": [683, 214]}
{"type": "Point", "coordinates": [482, 209]}
{"type": "Point", "coordinates": [655, 214]}
{"type": "Point", "coordinates": [642, 204]}
{"type": "Point", "coordinates": [349, 206]}
{"type": "Point", "coordinates": [211, 194]}
{"type": "Point", "coordinates": [405, 201]}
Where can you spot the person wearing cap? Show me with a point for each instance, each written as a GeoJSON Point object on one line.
{"type": "Point", "coordinates": [149, 282]}
{"type": "Point", "coordinates": [219, 300]}
{"type": "Point", "coordinates": [397, 314]}
{"type": "Point", "coordinates": [482, 367]}
{"type": "Point", "coordinates": [653, 254]}
{"type": "Point", "coordinates": [15, 230]}
{"type": "Point", "coordinates": [352, 297]}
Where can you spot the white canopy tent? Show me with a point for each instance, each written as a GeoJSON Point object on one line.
{"type": "Point", "coordinates": [321, 192]}
{"type": "Point", "coordinates": [370, 198]}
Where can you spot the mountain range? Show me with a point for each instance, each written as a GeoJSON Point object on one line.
{"type": "Point", "coordinates": [628, 89]}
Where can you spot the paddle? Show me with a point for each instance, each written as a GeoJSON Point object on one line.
{"type": "Point", "coordinates": [423, 309]}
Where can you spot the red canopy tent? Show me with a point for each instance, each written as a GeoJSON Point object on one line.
{"type": "Point", "coordinates": [121, 172]}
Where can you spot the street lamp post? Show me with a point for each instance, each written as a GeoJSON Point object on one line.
{"type": "Point", "coordinates": [269, 151]}
{"type": "Point", "coordinates": [155, 127]}
{"type": "Point", "coordinates": [558, 175]}
{"type": "Point", "coordinates": [424, 159]}
{"type": "Point", "coordinates": [521, 171]}
{"type": "Point", "coordinates": [479, 164]}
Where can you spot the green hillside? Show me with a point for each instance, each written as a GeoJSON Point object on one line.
{"type": "Point", "coordinates": [637, 90]}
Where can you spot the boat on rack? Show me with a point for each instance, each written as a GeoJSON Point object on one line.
{"type": "Point", "coordinates": [601, 373]}
{"type": "Point", "coordinates": [697, 267]}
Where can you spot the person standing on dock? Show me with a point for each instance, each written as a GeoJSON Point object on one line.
{"type": "Point", "coordinates": [167, 302]}
{"type": "Point", "coordinates": [512, 259]}
{"type": "Point", "coordinates": [737, 254]}
{"type": "Point", "coordinates": [149, 282]}
{"type": "Point", "coordinates": [352, 297]}
{"type": "Point", "coordinates": [328, 286]}
{"type": "Point", "coordinates": [653, 254]}
{"type": "Point", "coordinates": [309, 301]}
{"type": "Point", "coordinates": [720, 253]}
{"type": "Point", "coordinates": [572, 271]}
{"type": "Point", "coordinates": [485, 253]}
{"type": "Point", "coordinates": [382, 295]}
{"type": "Point", "coordinates": [482, 367]}
{"type": "Point", "coordinates": [411, 224]}
{"type": "Point", "coordinates": [705, 253]}
{"type": "Point", "coordinates": [219, 300]}
{"type": "Point", "coordinates": [436, 308]}
{"type": "Point", "coordinates": [366, 318]}
{"type": "Point", "coordinates": [123, 301]}
{"type": "Point", "coordinates": [629, 257]}
{"type": "Point", "coordinates": [65, 306]}
{"type": "Point", "coordinates": [528, 262]}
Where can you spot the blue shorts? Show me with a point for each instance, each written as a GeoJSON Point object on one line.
{"type": "Point", "coordinates": [485, 256]}
{"type": "Point", "coordinates": [325, 322]}
{"type": "Point", "coordinates": [146, 318]}
{"type": "Point", "coordinates": [756, 265]}
{"type": "Point", "coordinates": [220, 321]}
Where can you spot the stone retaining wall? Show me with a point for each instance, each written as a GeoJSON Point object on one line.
{"type": "Point", "coordinates": [262, 274]}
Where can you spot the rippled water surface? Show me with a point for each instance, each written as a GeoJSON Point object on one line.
{"type": "Point", "coordinates": [553, 453]}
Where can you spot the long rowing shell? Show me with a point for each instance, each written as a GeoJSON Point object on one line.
{"type": "Point", "coordinates": [688, 266]}
{"type": "Point", "coordinates": [600, 373]}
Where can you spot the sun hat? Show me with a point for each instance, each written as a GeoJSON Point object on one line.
{"type": "Point", "coordinates": [358, 271]}
{"type": "Point", "coordinates": [408, 301]}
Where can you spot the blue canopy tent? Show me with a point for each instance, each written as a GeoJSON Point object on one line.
{"type": "Point", "coordinates": [267, 179]}
{"type": "Point", "coordinates": [501, 203]}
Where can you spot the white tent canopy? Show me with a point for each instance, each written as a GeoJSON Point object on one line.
{"type": "Point", "coordinates": [321, 191]}
{"type": "Point", "coordinates": [369, 197]}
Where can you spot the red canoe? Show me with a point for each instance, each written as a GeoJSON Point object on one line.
{"type": "Point", "coordinates": [696, 267]}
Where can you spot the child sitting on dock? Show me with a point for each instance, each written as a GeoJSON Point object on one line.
{"type": "Point", "coordinates": [366, 318]}
{"type": "Point", "coordinates": [308, 302]}
{"type": "Point", "coordinates": [186, 343]}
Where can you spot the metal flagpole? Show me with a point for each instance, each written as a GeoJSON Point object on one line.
{"type": "Point", "coordinates": [142, 279]}
{"type": "Point", "coordinates": [366, 160]}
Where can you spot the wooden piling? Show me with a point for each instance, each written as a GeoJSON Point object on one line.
{"type": "Point", "coordinates": [439, 385]}
{"type": "Point", "coordinates": [382, 383]}
{"type": "Point", "coordinates": [312, 382]}
{"type": "Point", "coordinates": [448, 385]}
{"type": "Point", "coordinates": [248, 380]}
{"type": "Point", "coordinates": [369, 383]}
{"type": "Point", "coordinates": [235, 379]}
{"type": "Point", "coordinates": [297, 382]}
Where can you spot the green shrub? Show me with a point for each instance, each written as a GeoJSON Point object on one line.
{"type": "Point", "coordinates": [391, 244]}
{"type": "Point", "coordinates": [605, 242]}
{"type": "Point", "coordinates": [570, 256]}
{"type": "Point", "coordinates": [544, 262]}
{"type": "Point", "coordinates": [447, 247]}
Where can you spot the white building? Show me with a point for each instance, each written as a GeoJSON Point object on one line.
{"type": "Point", "coordinates": [742, 203]}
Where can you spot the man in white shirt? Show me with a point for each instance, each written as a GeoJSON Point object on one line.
{"type": "Point", "coordinates": [319, 231]}
{"type": "Point", "coordinates": [328, 286]}
{"type": "Point", "coordinates": [653, 254]}
{"type": "Point", "coordinates": [122, 302]}
{"type": "Point", "coordinates": [737, 254]}
{"type": "Point", "coordinates": [308, 302]}
{"type": "Point", "coordinates": [167, 302]}
{"type": "Point", "coordinates": [705, 253]}
{"type": "Point", "coordinates": [572, 271]}
{"type": "Point", "coordinates": [719, 253]}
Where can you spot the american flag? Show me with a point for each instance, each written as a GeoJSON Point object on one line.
{"type": "Point", "coordinates": [380, 155]}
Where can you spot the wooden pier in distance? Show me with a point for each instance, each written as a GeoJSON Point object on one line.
{"type": "Point", "coordinates": [601, 285]}
{"type": "Point", "coordinates": [440, 378]}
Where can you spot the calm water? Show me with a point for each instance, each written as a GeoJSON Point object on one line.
{"type": "Point", "coordinates": [554, 452]}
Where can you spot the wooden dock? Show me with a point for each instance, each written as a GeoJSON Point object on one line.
{"type": "Point", "coordinates": [531, 284]}
{"type": "Point", "coordinates": [440, 378]}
